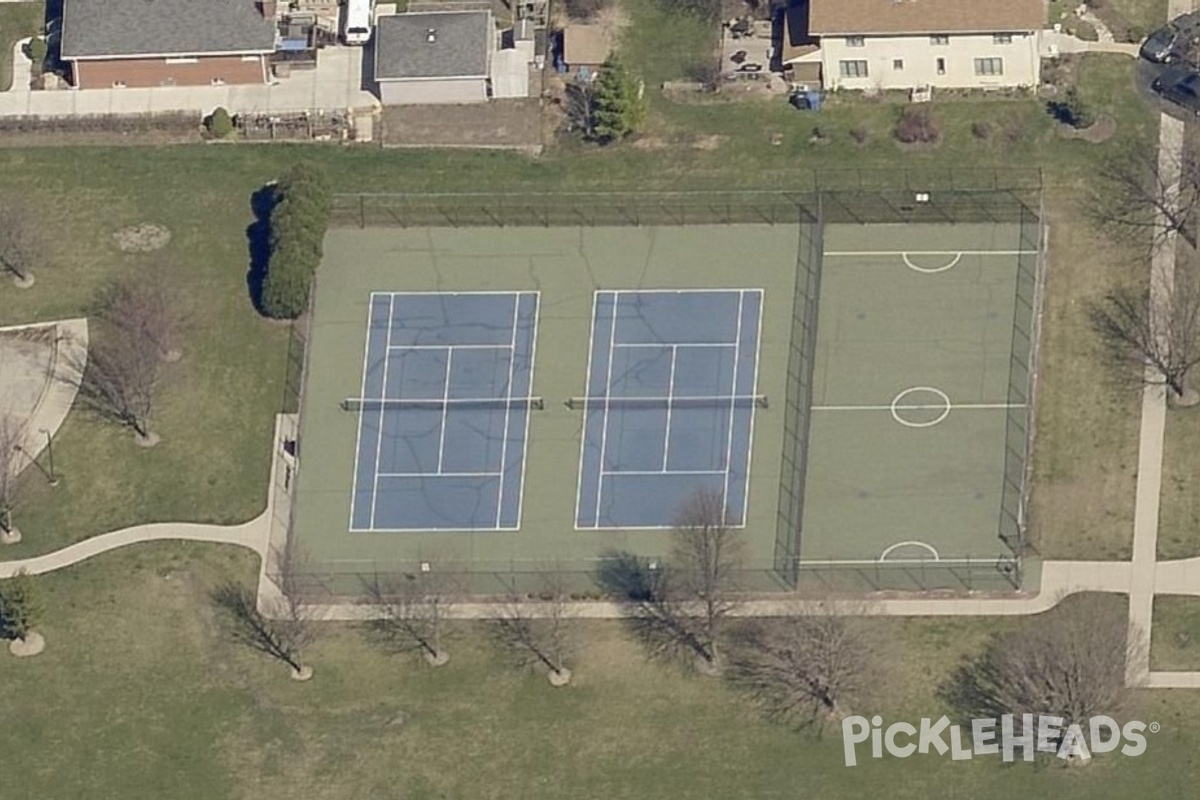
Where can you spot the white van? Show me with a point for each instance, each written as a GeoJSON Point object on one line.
{"type": "Point", "coordinates": [356, 24]}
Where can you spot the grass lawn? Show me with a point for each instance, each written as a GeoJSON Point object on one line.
{"type": "Point", "coordinates": [200, 718]}
{"type": "Point", "coordinates": [1176, 642]}
{"type": "Point", "coordinates": [17, 20]}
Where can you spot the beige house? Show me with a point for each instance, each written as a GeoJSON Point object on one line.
{"type": "Point", "coordinates": [906, 44]}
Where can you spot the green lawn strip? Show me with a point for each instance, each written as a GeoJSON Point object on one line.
{"type": "Point", "coordinates": [1175, 641]}
{"type": "Point", "coordinates": [140, 694]}
{"type": "Point", "coordinates": [1179, 517]}
{"type": "Point", "coordinates": [1085, 453]}
{"type": "Point", "coordinates": [17, 20]}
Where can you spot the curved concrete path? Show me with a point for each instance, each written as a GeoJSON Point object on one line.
{"type": "Point", "coordinates": [251, 534]}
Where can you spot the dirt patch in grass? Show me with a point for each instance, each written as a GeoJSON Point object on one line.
{"type": "Point", "coordinates": [511, 124]}
{"type": "Point", "coordinates": [1103, 129]}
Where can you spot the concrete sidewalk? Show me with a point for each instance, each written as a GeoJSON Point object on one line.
{"type": "Point", "coordinates": [335, 85]}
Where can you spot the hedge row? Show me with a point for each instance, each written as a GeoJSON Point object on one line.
{"type": "Point", "coordinates": [299, 217]}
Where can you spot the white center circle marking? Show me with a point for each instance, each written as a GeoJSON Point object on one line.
{"type": "Point", "coordinates": [898, 405]}
{"type": "Point", "coordinates": [930, 270]}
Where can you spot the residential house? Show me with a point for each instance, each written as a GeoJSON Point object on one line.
{"type": "Point", "coordinates": [118, 43]}
{"type": "Point", "coordinates": [435, 57]}
{"type": "Point", "coordinates": [906, 44]}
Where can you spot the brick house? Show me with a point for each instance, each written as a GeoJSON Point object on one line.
{"type": "Point", "coordinates": [139, 43]}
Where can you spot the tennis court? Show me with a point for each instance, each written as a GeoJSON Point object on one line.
{"type": "Point", "coordinates": [443, 414]}
{"type": "Point", "coordinates": [670, 403]}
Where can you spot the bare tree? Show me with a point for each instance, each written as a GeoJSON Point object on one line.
{"type": "Point", "coordinates": [11, 456]}
{"type": "Point", "coordinates": [1138, 196]}
{"type": "Point", "coordinates": [120, 379]}
{"type": "Point", "coordinates": [538, 633]}
{"type": "Point", "coordinates": [22, 242]}
{"type": "Point", "coordinates": [1154, 336]}
{"type": "Point", "coordinates": [579, 104]}
{"type": "Point", "coordinates": [144, 306]}
{"type": "Point", "coordinates": [1068, 663]}
{"type": "Point", "coordinates": [280, 624]}
{"type": "Point", "coordinates": [807, 668]}
{"type": "Point", "coordinates": [680, 608]}
{"type": "Point", "coordinates": [411, 611]}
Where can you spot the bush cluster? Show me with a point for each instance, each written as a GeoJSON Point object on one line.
{"type": "Point", "coordinates": [219, 123]}
{"type": "Point", "coordinates": [299, 216]}
{"type": "Point", "coordinates": [917, 126]}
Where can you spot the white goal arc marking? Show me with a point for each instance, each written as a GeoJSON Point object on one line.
{"type": "Point", "coordinates": [910, 543]}
{"type": "Point", "coordinates": [929, 270]}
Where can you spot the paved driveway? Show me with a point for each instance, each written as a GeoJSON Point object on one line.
{"type": "Point", "coordinates": [336, 84]}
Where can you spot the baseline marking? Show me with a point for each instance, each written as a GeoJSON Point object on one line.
{"type": "Point", "coordinates": [861, 253]}
{"type": "Point", "coordinates": [919, 407]}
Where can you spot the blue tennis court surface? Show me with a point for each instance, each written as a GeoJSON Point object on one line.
{"type": "Point", "coordinates": [670, 405]}
{"type": "Point", "coordinates": [444, 411]}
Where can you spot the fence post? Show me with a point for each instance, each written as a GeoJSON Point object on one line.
{"type": "Point", "coordinates": [362, 211]}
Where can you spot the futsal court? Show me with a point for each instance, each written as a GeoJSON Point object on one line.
{"type": "Point", "coordinates": [918, 379]}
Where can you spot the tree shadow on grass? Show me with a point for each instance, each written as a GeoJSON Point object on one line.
{"type": "Point", "coordinates": [258, 241]}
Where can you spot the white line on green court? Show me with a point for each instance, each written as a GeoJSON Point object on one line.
{"type": "Point", "coordinates": [922, 407]}
{"type": "Point", "coordinates": [861, 253]}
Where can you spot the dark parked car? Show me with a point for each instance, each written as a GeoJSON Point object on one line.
{"type": "Point", "coordinates": [1159, 46]}
{"type": "Point", "coordinates": [1174, 42]}
{"type": "Point", "coordinates": [1181, 87]}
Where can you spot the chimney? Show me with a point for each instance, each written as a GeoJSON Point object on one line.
{"type": "Point", "coordinates": [267, 9]}
{"type": "Point", "coordinates": [431, 36]}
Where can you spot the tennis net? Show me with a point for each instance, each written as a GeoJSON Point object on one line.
{"type": "Point", "coordinates": [383, 404]}
{"type": "Point", "coordinates": [716, 401]}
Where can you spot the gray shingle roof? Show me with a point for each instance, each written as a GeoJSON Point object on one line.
{"type": "Point", "coordinates": [459, 46]}
{"type": "Point", "coordinates": [163, 27]}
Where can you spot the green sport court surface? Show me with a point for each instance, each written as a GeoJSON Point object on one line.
{"type": "Point", "coordinates": [932, 481]}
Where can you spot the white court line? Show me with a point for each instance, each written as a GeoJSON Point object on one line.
{"type": "Point", "coordinates": [661, 346]}
{"type": "Point", "coordinates": [512, 363]}
{"type": "Point", "coordinates": [919, 407]}
{"type": "Point", "coordinates": [358, 433]}
{"type": "Point", "coordinates": [612, 338]}
{"type": "Point", "coordinates": [753, 406]}
{"type": "Point", "coordinates": [737, 351]}
{"type": "Point", "coordinates": [644, 472]}
{"type": "Point", "coordinates": [382, 393]}
{"type": "Point", "coordinates": [445, 409]}
{"type": "Point", "coordinates": [587, 390]}
{"type": "Point", "coordinates": [444, 346]}
{"type": "Point", "coordinates": [670, 395]}
{"type": "Point", "coordinates": [424, 475]}
{"type": "Point", "coordinates": [860, 253]}
{"type": "Point", "coordinates": [537, 310]}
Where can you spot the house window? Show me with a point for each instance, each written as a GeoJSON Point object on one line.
{"type": "Point", "coordinates": [182, 60]}
{"type": "Point", "coordinates": [989, 66]}
{"type": "Point", "coordinates": [855, 41]}
{"type": "Point", "coordinates": [1002, 38]}
{"type": "Point", "coordinates": [939, 39]}
{"type": "Point", "coordinates": [941, 66]}
{"type": "Point", "coordinates": [118, 84]}
{"type": "Point", "coordinates": [898, 64]}
{"type": "Point", "coordinates": [853, 69]}
{"type": "Point", "coordinates": [218, 81]}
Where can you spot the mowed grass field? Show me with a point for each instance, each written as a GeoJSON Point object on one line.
{"type": "Point", "coordinates": [140, 694]}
